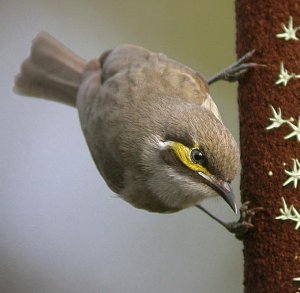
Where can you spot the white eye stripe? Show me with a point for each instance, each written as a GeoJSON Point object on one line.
{"type": "Point", "coordinates": [158, 142]}
{"type": "Point", "coordinates": [164, 144]}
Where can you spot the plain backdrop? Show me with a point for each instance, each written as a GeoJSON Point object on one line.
{"type": "Point", "coordinates": [61, 228]}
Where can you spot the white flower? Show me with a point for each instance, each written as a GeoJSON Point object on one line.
{"type": "Point", "coordinates": [289, 32]}
{"type": "Point", "coordinates": [289, 214]}
{"type": "Point", "coordinates": [286, 213]}
{"type": "Point", "coordinates": [284, 75]}
{"type": "Point", "coordinates": [296, 218]}
{"type": "Point", "coordinates": [295, 132]}
{"type": "Point", "coordinates": [294, 174]}
{"type": "Point", "coordinates": [277, 120]}
{"type": "Point", "coordinates": [297, 280]}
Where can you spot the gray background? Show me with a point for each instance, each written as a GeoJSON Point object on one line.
{"type": "Point", "coordinates": [61, 228]}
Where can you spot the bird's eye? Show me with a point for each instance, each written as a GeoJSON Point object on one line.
{"type": "Point", "coordinates": [197, 157]}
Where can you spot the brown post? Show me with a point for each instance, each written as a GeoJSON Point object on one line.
{"type": "Point", "coordinates": [272, 249]}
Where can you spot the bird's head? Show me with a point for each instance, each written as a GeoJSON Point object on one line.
{"type": "Point", "coordinates": [193, 158]}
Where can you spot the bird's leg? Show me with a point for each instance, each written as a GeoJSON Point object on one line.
{"type": "Point", "coordinates": [240, 227]}
{"type": "Point", "coordinates": [234, 71]}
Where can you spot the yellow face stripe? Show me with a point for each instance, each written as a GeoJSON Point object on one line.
{"type": "Point", "coordinates": [183, 153]}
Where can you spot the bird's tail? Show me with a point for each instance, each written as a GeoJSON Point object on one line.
{"type": "Point", "coordinates": [52, 71]}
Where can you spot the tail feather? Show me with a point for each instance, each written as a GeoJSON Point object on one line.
{"type": "Point", "coordinates": [52, 71]}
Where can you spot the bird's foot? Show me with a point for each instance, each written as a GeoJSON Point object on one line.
{"type": "Point", "coordinates": [234, 71]}
{"type": "Point", "coordinates": [242, 226]}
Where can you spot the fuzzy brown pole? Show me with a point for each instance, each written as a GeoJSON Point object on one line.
{"type": "Point", "coordinates": [272, 248]}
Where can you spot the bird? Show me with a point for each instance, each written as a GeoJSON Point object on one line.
{"type": "Point", "coordinates": [152, 128]}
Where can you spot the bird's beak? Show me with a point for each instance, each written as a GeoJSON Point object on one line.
{"type": "Point", "coordinates": [223, 188]}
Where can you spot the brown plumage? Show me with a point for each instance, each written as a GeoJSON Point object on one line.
{"type": "Point", "coordinates": [133, 105]}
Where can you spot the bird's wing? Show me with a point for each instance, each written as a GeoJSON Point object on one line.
{"type": "Point", "coordinates": [121, 58]}
{"type": "Point", "coordinates": [210, 105]}
{"type": "Point", "coordinates": [178, 79]}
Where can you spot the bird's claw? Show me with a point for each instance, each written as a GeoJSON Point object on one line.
{"type": "Point", "coordinates": [236, 70]}
{"type": "Point", "coordinates": [242, 226]}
